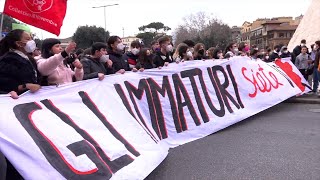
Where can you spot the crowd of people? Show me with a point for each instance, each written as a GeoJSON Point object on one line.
{"type": "Point", "coordinates": [25, 67]}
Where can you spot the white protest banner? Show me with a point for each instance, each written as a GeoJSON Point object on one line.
{"type": "Point", "coordinates": [122, 127]}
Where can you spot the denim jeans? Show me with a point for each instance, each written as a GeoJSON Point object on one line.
{"type": "Point", "coordinates": [316, 78]}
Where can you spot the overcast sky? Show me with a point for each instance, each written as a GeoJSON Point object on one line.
{"type": "Point", "coordinates": [132, 14]}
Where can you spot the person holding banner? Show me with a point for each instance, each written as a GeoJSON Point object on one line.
{"type": "Point", "coordinates": [53, 64]}
{"type": "Point", "coordinates": [145, 60]}
{"type": "Point", "coordinates": [164, 57]}
{"type": "Point", "coordinates": [116, 48]}
{"type": "Point", "coordinates": [17, 72]}
{"type": "Point", "coordinates": [199, 52]}
{"type": "Point", "coordinates": [98, 64]}
{"type": "Point", "coordinates": [182, 53]}
{"type": "Point", "coordinates": [231, 50]}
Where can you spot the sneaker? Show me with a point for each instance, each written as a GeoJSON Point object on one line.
{"type": "Point", "coordinates": [310, 93]}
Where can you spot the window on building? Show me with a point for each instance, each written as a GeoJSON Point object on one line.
{"type": "Point", "coordinates": [271, 35]}
{"type": "Point", "coordinates": [281, 35]}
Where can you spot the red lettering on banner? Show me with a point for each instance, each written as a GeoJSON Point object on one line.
{"type": "Point", "coordinates": [261, 81]}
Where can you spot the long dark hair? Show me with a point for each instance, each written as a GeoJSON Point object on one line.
{"type": "Point", "coordinates": [229, 47]}
{"type": "Point", "coordinates": [216, 52]}
{"type": "Point", "coordinates": [143, 57]}
{"type": "Point", "coordinates": [47, 44]}
{"type": "Point", "coordinates": [9, 41]}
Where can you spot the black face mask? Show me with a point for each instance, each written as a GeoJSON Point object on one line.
{"type": "Point", "coordinates": [278, 50]}
{"type": "Point", "coordinates": [201, 52]}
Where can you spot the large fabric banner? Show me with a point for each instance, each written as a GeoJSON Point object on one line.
{"type": "Point", "coordinates": [123, 126]}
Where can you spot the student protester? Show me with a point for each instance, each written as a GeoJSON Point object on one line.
{"type": "Point", "coordinates": [231, 50]}
{"type": "Point", "coordinates": [132, 55]}
{"type": "Point", "coordinates": [183, 53]}
{"type": "Point", "coordinates": [275, 54]}
{"type": "Point", "coordinates": [297, 50]}
{"type": "Point", "coordinates": [199, 52]}
{"type": "Point", "coordinates": [55, 62]}
{"type": "Point", "coordinates": [191, 44]}
{"type": "Point", "coordinates": [176, 52]}
{"type": "Point", "coordinates": [164, 57]}
{"type": "Point", "coordinates": [115, 51]}
{"type": "Point", "coordinates": [244, 49]}
{"type": "Point", "coordinates": [155, 47]}
{"type": "Point", "coordinates": [316, 68]}
{"type": "Point", "coordinates": [210, 53]}
{"type": "Point", "coordinates": [17, 71]}
{"type": "Point", "coordinates": [303, 62]}
{"type": "Point", "coordinates": [145, 60]}
{"type": "Point", "coordinates": [217, 54]}
{"type": "Point", "coordinates": [98, 64]}
{"type": "Point", "coordinates": [284, 52]}
{"type": "Point", "coordinates": [254, 54]}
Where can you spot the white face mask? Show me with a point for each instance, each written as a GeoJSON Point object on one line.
{"type": "Point", "coordinates": [189, 54]}
{"type": "Point", "coordinates": [303, 44]}
{"type": "Point", "coordinates": [135, 51]}
{"type": "Point", "coordinates": [30, 46]}
{"type": "Point", "coordinates": [120, 47]}
{"type": "Point", "coordinates": [104, 58]}
{"type": "Point", "coordinates": [169, 48]}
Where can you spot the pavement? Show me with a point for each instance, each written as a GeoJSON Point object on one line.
{"type": "Point", "coordinates": [305, 99]}
{"type": "Point", "coordinates": [279, 143]}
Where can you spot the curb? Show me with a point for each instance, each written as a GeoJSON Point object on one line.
{"type": "Point", "coordinates": [304, 100]}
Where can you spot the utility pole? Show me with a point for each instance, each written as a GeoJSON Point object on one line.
{"type": "Point", "coordinates": [105, 21]}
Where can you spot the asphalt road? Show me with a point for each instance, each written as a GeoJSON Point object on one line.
{"type": "Point", "coordinates": [280, 143]}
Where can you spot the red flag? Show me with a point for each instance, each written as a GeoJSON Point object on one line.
{"type": "Point", "coordinates": [44, 14]}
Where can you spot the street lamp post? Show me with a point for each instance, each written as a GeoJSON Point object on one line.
{"type": "Point", "coordinates": [105, 23]}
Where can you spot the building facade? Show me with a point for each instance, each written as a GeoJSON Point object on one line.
{"type": "Point", "coordinates": [245, 32]}
{"type": "Point", "coordinates": [267, 33]}
{"type": "Point", "coordinates": [236, 34]}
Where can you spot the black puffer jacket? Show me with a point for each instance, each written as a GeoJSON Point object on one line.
{"type": "Point", "coordinates": [14, 71]}
{"type": "Point", "coordinates": [119, 61]}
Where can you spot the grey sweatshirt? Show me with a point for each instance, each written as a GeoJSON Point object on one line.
{"type": "Point", "coordinates": [302, 61]}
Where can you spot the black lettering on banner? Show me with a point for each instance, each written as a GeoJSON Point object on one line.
{"type": "Point", "coordinates": [23, 113]}
{"type": "Point", "coordinates": [143, 87]}
{"type": "Point", "coordinates": [223, 87]}
{"type": "Point", "coordinates": [127, 105]}
{"type": "Point", "coordinates": [235, 85]}
{"type": "Point", "coordinates": [114, 165]}
{"type": "Point", "coordinates": [180, 89]}
{"type": "Point", "coordinates": [221, 112]}
{"type": "Point", "coordinates": [90, 104]}
{"type": "Point", "coordinates": [166, 88]}
{"type": "Point", "coordinates": [191, 74]}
